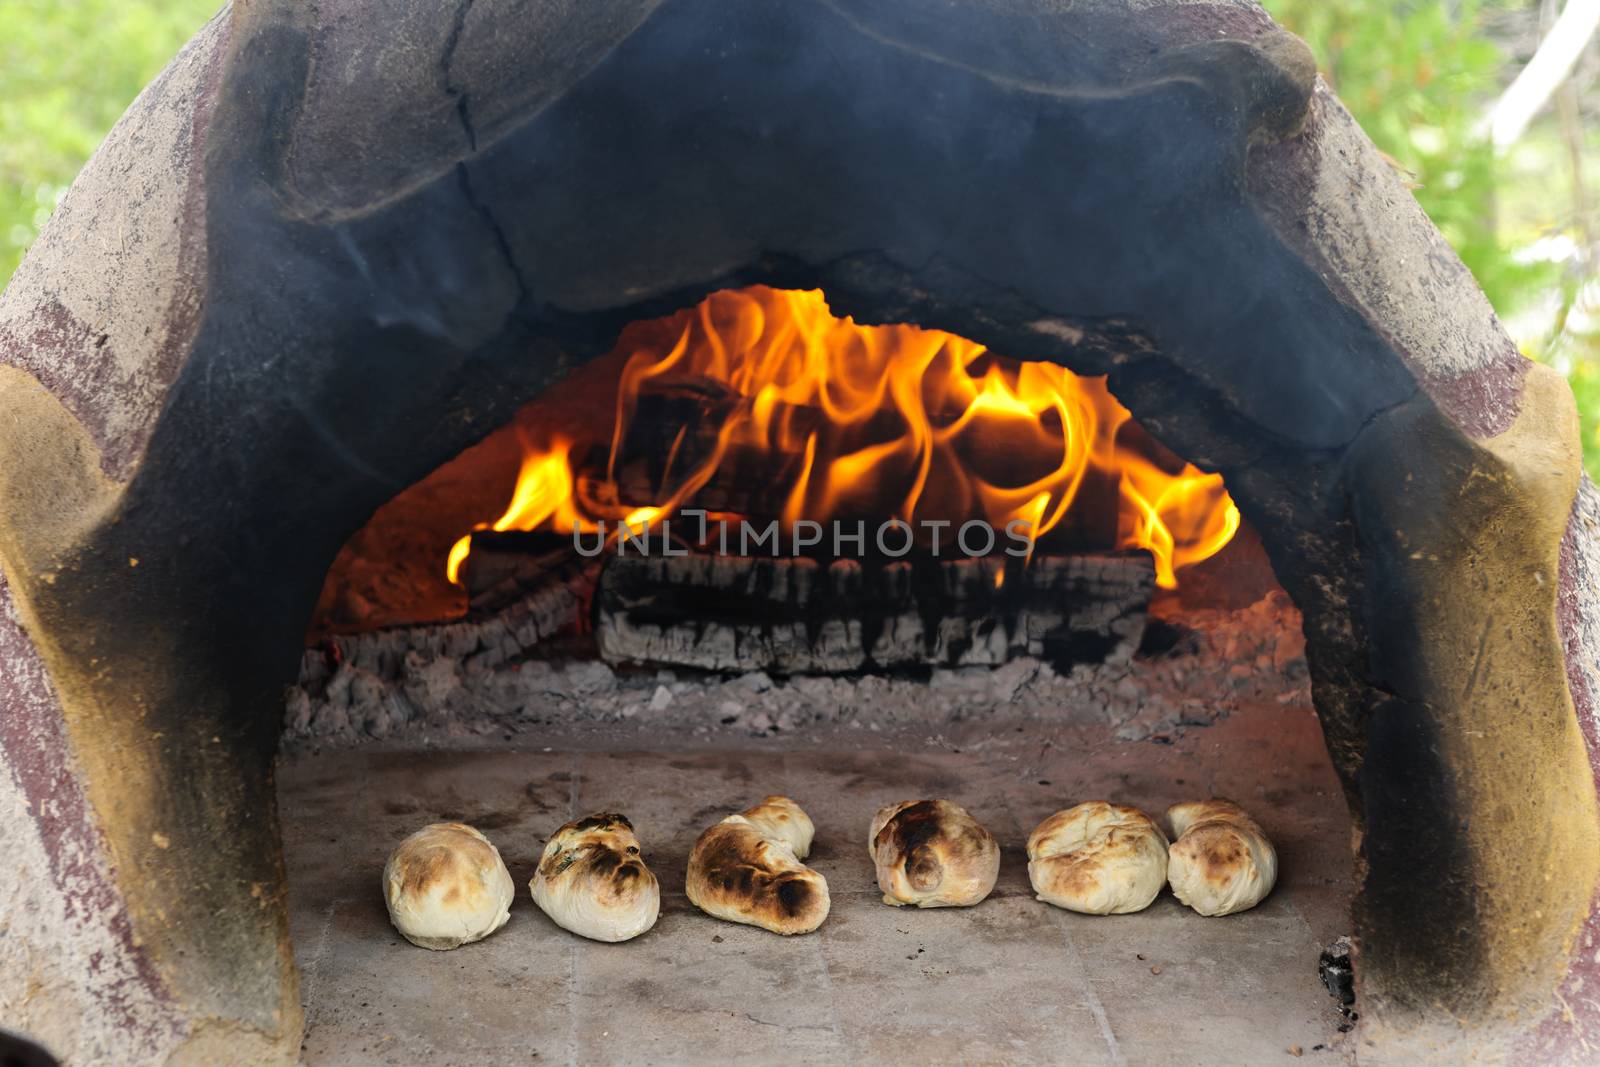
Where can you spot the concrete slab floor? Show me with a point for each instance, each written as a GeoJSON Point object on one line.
{"type": "Point", "coordinates": [1010, 981]}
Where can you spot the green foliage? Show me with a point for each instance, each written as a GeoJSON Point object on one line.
{"type": "Point", "coordinates": [68, 69]}
{"type": "Point", "coordinates": [1584, 377]}
{"type": "Point", "coordinates": [1419, 75]}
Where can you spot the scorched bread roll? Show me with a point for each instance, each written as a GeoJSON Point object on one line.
{"type": "Point", "coordinates": [933, 854]}
{"type": "Point", "coordinates": [747, 869]}
{"type": "Point", "coordinates": [1098, 858]}
{"type": "Point", "coordinates": [1221, 861]}
{"type": "Point", "coordinates": [592, 880]}
{"type": "Point", "coordinates": [446, 886]}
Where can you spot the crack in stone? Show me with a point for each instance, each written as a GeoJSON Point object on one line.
{"type": "Point", "coordinates": [747, 1016]}
{"type": "Point", "coordinates": [451, 89]}
{"type": "Point", "coordinates": [463, 101]}
{"type": "Point", "coordinates": [501, 241]}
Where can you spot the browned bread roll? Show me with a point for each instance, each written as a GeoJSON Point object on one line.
{"type": "Point", "coordinates": [592, 880]}
{"type": "Point", "coordinates": [446, 885]}
{"type": "Point", "coordinates": [1098, 858]}
{"type": "Point", "coordinates": [1221, 861]}
{"type": "Point", "coordinates": [933, 854]}
{"type": "Point", "coordinates": [747, 869]}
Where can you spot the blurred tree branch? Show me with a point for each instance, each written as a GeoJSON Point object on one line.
{"type": "Point", "coordinates": [1545, 73]}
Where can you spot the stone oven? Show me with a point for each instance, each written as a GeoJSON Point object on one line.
{"type": "Point", "coordinates": [324, 294]}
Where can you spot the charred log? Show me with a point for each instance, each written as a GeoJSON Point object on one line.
{"type": "Point", "coordinates": [801, 616]}
{"type": "Point", "coordinates": [506, 567]}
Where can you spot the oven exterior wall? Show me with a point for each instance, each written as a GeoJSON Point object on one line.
{"type": "Point", "coordinates": [117, 358]}
{"type": "Point", "coordinates": [95, 327]}
{"type": "Point", "coordinates": [1448, 335]}
{"type": "Point", "coordinates": [73, 977]}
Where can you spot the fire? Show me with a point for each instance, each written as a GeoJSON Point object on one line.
{"type": "Point", "coordinates": [842, 421]}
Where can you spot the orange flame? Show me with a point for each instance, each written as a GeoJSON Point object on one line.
{"type": "Point", "coordinates": [877, 422]}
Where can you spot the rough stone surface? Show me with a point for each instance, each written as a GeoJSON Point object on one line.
{"type": "Point", "coordinates": [69, 975]}
{"type": "Point", "coordinates": [1011, 980]}
{"type": "Point", "coordinates": [1349, 231]}
{"type": "Point", "coordinates": [1567, 1035]}
{"type": "Point", "coordinates": [110, 343]}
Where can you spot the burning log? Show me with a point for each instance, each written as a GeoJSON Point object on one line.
{"type": "Point", "coordinates": [799, 616]}
{"type": "Point", "coordinates": [675, 429]}
{"type": "Point", "coordinates": [534, 585]}
{"type": "Point", "coordinates": [503, 567]}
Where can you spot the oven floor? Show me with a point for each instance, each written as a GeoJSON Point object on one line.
{"type": "Point", "coordinates": [1012, 980]}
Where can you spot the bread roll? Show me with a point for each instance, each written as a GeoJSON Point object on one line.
{"type": "Point", "coordinates": [592, 880]}
{"type": "Point", "coordinates": [781, 818]}
{"type": "Point", "coordinates": [446, 886]}
{"type": "Point", "coordinates": [933, 854]}
{"type": "Point", "coordinates": [1221, 861]}
{"type": "Point", "coordinates": [747, 869]}
{"type": "Point", "coordinates": [1098, 858]}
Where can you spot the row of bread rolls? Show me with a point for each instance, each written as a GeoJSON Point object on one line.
{"type": "Point", "coordinates": [446, 884]}
{"type": "Point", "coordinates": [1110, 859]}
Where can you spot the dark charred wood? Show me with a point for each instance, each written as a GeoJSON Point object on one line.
{"type": "Point", "coordinates": [801, 616]}
{"type": "Point", "coordinates": [673, 432]}
{"type": "Point", "coordinates": [504, 567]}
